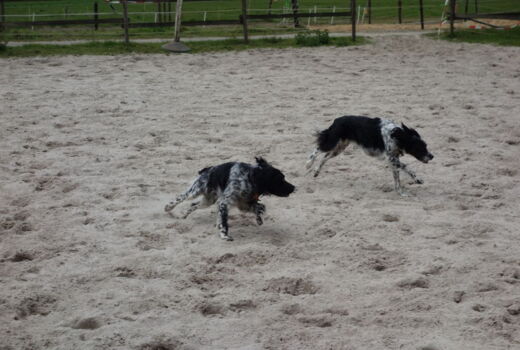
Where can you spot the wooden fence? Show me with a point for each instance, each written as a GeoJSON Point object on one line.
{"type": "Point", "coordinates": [166, 21]}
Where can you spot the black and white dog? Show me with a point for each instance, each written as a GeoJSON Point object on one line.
{"type": "Point", "coordinates": [234, 183]}
{"type": "Point", "coordinates": [377, 137]}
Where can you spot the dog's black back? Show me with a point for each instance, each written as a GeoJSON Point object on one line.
{"type": "Point", "coordinates": [218, 176]}
{"type": "Point", "coordinates": [364, 131]}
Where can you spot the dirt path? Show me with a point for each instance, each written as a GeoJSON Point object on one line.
{"type": "Point", "coordinates": [93, 147]}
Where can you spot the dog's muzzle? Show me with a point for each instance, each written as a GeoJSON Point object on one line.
{"type": "Point", "coordinates": [427, 158]}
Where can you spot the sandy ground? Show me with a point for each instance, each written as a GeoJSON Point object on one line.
{"type": "Point", "coordinates": [92, 148]}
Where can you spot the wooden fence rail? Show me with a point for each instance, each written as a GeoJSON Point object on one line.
{"type": "Point", "coordinates": [299, 15]}
{"type": "Point", "coordinates": [63, 22]}
{"type": "Point", "coordinates": [188, 23]}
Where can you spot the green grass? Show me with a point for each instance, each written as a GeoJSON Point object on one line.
{"type": "Point", "coordinates": [499, 37]}
{"type": "Point", "coordinates": [383, 11]}
{"type": "Point", "coordinates": [118, 48]}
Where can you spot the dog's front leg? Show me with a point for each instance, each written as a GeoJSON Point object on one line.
{"type": "Point", "coordinates": [395, 164]}
{"type": "Point", "coordinates": [259, 210]}
{"type": "Point", "coordinates": [414, 177]}
{"type": "Point", "coordinates": [222, 220]}
{"type": "Point", "coordinates": [397, 182]}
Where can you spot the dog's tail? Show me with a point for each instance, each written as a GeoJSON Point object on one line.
{"type": "Point", "coordinates": [327, 139]}
{"type": "Point", "coordinates": [204, 170]}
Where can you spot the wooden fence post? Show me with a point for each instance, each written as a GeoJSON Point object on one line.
{"type": "Point", "coordinates": [176, 45]}
{"type": "Point", "coordinates": [96, 16]}
{"type": "Point", "coordinates": [295, 13]}
{"type": "Point", "coordinates": [125, 21]}
{"type": "Point", "coordinates": [244, 21]}
{"type": "Point", "coordinates": [161, 12]}
{"type": "Point", "coordinates": [452, 17]}
{"type": "Point", "coordinates": [2, 11]}
{"type": "Point", "coordinates": [169, 10]}
{"type": "Point", "coordinates": [400, 11]}
{"type": "Point", "coordinates": [165, 10]}
{"type": "Point", "coordinates": [369, 11]}
{"type": "Point", "coordinates": [178, 18]}
{"type": "Point", "coordinates": [353, 14]}
{"type": "Point", "coordinates": [421, 13]}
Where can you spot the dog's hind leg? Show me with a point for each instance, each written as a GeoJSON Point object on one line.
{"type": "Point", "coordinates": [312, 158]}
{"type": "Point", "coordinates": [340, 147]}
{"type": "Point", "coordinates": [326, 157]}
{"type": "Point", "coordinates": [199, 204]}
{"type": "Point", "coordinates": [194, 191]}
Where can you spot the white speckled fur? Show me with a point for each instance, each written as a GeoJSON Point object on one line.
{"type": "Point", "coordinates": [387, 126]}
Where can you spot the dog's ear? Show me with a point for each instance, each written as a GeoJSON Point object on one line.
{"type": "Point", "coordinates": [260, 178]}
{"type": "Point", "coordinates": [409, 130]}
{"type": "Point", "coordinates": [261, 162]}
{"type": "Point", "coordinates": [398, 133]}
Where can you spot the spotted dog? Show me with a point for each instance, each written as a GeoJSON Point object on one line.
{"type": "Point", "coordinates": [378, 138]}
{"type": "Point", "coordinates": [237, 184]}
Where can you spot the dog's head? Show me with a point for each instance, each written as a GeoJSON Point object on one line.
{"type": "Point", "coordinates": [410, 141]}
{"type": "Point", "coordinates": [269, 180]}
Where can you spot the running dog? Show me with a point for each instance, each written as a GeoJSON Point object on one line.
{"type": "Point", "coordinates": [378, 138]}
{"type": "Point", "coordinates": [237, 184]}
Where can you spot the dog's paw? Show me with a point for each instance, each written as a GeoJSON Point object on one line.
{"type": "Point", "coordinates": [403, 193]}
{"type": "Point", "coordinates": [226, 237]}
{"type": "Point", "coordinates": [259, 220]}
{"type": "Point", "coordinates": [169, 207]}
{"type": "Point", "coordinates": [419, 181]}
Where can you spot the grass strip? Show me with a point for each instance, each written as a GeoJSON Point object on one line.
{"type": "Point", "coordinates": [119, 48]}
